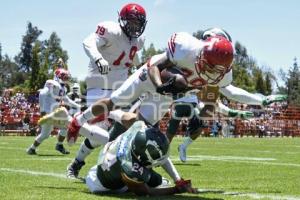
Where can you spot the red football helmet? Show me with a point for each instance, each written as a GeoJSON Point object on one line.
{"type": "Point", "coordinates": [132, 19]}
{"type": "Point", "coordinates": [61, 75]}
{"type": "Point", "coordinates": [215, 59]}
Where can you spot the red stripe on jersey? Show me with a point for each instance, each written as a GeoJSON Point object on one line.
{"type": "Point", "coordinates": [171, 44]}
{"type": "Point", "coordinates": [170, 49]}
{"type": "Point", "coordinates": [99, 118]}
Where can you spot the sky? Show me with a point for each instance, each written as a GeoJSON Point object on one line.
{"type": "Point", "coordinates": [269, 29]}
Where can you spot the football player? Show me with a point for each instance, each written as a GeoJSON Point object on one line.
{"type": "Point", "coordinates": [184, 107]}
{"type": "Point", "coordinates": [50, 97]}
{"type": "Point", "coordinates": [204, 62]}
{"type": "Point", "coordinates": [111, 49]}
{"type": "Point", "coordinates": [127, 164]}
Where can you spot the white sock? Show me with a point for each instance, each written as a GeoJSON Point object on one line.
{"type": "Point", "coordinates": [169, 167]}
{"type": "Point", "coordinates": [85, 116]}
{"type": "Point", "coordinates": [83, 152]}
{"type": "Point", "coordinates": [187, 141]}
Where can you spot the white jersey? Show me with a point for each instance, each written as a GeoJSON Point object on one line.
{"type": "Point", "coordinates": [183, 50]}
{"type": "Point", "coordinates": [52, 95]}
{"type": "Point", "coordinates": [110, 43]}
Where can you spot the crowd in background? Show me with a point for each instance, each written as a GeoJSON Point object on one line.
{"type": "Point", "coordinates": [18, 111]}
{"type": "Point", "coordinates": [21, 112]}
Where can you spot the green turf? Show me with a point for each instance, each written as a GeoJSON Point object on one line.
{"type": "Point", "coordinates": [267, 166]}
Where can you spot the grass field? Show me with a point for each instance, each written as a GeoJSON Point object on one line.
{"type": "Point", "coordinates": [231, 168]}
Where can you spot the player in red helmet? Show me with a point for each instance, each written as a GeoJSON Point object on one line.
{"type": "Point", "coordinates": [111, 49]}
{"type": "Point", "coordinates": [193, 56]}
{"type": "Point", "coordinates": [51, 97]}
{"type": "Point", "coordinates": [132, 19]}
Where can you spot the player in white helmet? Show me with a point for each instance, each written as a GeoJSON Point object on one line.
{"type": "Point", "coordinates": [111, 49]}
{"type": "Point", "coordinates": [50, 97]}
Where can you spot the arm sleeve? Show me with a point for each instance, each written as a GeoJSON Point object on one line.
{"type": "Point", "coordinates": [221, 108]}
{"type": "Point", "coordinates": [91, 45]}
{"type": "Point", "coordinates": [240, 95]}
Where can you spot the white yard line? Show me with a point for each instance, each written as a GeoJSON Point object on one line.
{"type": "Point", "coordinates": [251, 195]}
{"type": "Point", "coordinates": [222, 158]}
{"type": "Point", "coordinates": [233, 159]}
{"type": "Point", "coordinates": [34, 173]}
{"type": "Point", "coordinates": [250, 150]}
{"type": "Point", "coordinates": [24, 149]}
{"type": "Point", "coordinates": [41, 158]}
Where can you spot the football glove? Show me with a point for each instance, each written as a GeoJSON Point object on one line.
{"type": "Point", "coordinates": [103, 66]}
{"type": "Point", "coordinates": [184, 186]}
{"type": "Point", "coordinates": [167, 87]}
{"type": "Point", "coordinates": [273, 98]}
{"type": "Point", "coordinates": [240, 114]}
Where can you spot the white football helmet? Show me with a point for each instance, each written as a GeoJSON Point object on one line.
{"type": "Point", "coordinates": [215, 32]}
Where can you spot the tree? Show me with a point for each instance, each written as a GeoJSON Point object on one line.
{"type": "Point", "coordinates": [293, 85]}
{"type": "Point", "coordinates": [53, 50]}
{"type": "Point", "coordinates": [283, 76]}
{"type": "Point", "coordinates": [35, 67]}
{"type": "Point", "coordinates": [268, 84]}
{"type": "Point", "coordinates": [259, 84]}
{"type": "Point", "coordinates": [24, 58]}
{"type": "Point", "coordinates": [0, 53]}
{"type": "Point", "coordinates": [242, 68]}
{"type": "Point", "coordinates": [147, 53]}
{"type": "Point", "coordinates": [43, 74]}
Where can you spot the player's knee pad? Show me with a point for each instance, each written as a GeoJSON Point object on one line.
{"type": "Point", "coordinates": [183, 109]}
{"type": "Point", "coordinates": [45, 133]}
{"type": "Point", "coordinates": [92, 144]}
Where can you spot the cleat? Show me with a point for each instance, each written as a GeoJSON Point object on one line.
{"type": "Point", "coordinates": [61, 149]}
{"type": "Point", "coordinates": [73, 131]}
{"type": "Point", "coordinates": [74, 168]}
{"type": "Point", "coordinates": [59, 115]}
{"type": "Point", "coordinates": [31, 151]}
{"type": "Point", "coordinates": [182, 153]}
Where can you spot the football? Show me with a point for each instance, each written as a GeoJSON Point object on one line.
{"type": "Point", "coordinates": [180, 84]}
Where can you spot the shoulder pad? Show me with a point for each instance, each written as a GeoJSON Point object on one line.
{"type": "Point", "coordinates": [178, 41]}
{"type": "Point", "coordinates": [108, 29]}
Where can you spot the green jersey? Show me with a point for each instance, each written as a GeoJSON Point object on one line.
{"type": "Point", "coordinates": [116, 158]}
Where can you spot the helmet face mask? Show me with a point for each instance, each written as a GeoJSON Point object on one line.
{"type": "Point", "coordinates": [150, 148]}
{"type": "Point", "coordinates": [214, 60]}
{"type": "Point", "coordinates": [61, 75]}
{"type": "Point", "coordinates": [210, 74]}
{"type": "Point", "coordinates": [132, 19]}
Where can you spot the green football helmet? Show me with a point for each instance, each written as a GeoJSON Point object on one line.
{"type": "Point", "coordinates": [150, 147]}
